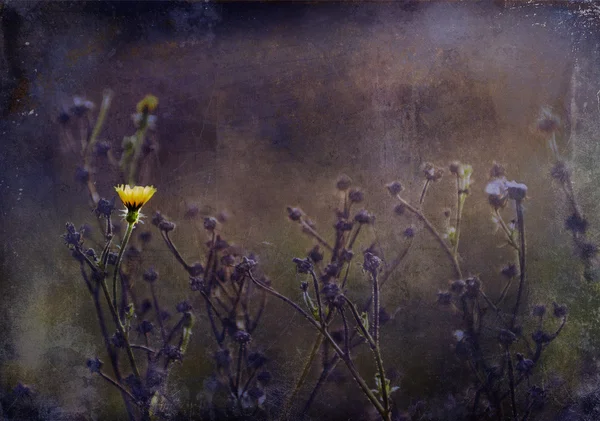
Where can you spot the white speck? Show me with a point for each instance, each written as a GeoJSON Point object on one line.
{"type": "Point", "coordinates": [30, 112]}
{"type": "Point", "coordinates": [27, 43]}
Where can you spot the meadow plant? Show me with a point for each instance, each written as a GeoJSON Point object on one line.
{"type": "Point", "coordinates": [504, 372]}
{"type": "Point", "coordinates": [143, 389]}
{"type": "Point", "coordinates": [234, 308]}
{"type": "Point", "coordinates": [142, 344]}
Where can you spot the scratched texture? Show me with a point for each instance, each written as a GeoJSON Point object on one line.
{"type": "Point", "coordinates": [263, 106]}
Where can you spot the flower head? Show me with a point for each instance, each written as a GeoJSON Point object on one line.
{"type": "Point", "coordinates": [147, 104]}
{"type": "Point", "coordinates": [134, 198]}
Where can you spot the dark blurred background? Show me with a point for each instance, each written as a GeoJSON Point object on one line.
{"type": "Point", "coordinates": [264, 105]}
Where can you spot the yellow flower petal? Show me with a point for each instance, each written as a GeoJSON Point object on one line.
{"type": "Point", "coordinates": [135, 197]}
{"type": "Point", "coordinates": [148, 104]}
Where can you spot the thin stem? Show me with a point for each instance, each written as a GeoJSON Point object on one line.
{"type": "Point", "coordinates": [126, 238]}
{"type": "Point", "coordinates": [119, 326]}
{"type": "Point", "coordinates": [522, 261]}
{"type": "Point", "coordinates": [462, 196]}
{"type": "Point", "coordinates": [308, 364]}
{"type": "Point", "coordinates": [506, 230]}
{"type": "Point", "coordinates": [318, 295]}
{"type": "Point", "coordinates": [511, 383]}
{"type": "Point", "coordinates": [239, 370]}
{"type": "Point", "coordinates": [173, 249]}
{"type": "Point", "coordinates": [143, 348]}
{"type": "Point", "coordinates": [376, 353]}
{"type": "Point", "coordinates": [355, 374]}
{"type": "Point", "coordinates": [423, 192]}
{"type": "Point", "coordinates": [375, 308]}
{"type": "Point", "coordinates": [158, 315]}
{"type": "Point", "coordinates": [315, 234]}
{"type": "Point", "coordinates": [435, 233]}
{"type": "Point", "coordinates": [117, 385]}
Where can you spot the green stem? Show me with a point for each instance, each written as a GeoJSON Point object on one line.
{"type": "Point", "coordinates": [115, 316]}
{"type": "Point", "coordinates": [130, 226]}
{"type": "Point", "coordinates": [378, 360]}
{"type": "Point", "coordinates": [305, 371]}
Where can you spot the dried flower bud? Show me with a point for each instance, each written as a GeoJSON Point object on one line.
{"type": "Point", "coordinates": [400, 209]}
{"type": "Point", "coordinates": [454, 167]}
{"type": "Point", "coordinates": [105, 207]}
{"type": "Point", "coordinates": [183, 307]}
{"type": "Point", "coordinates": [342, 225]}
{"type": "Point", "coordinates": [444, 297]}
{"type": "Point", "coordinates": [576, 223]}
{"type": "Point", "coordinates": [506, 337]}
{"type": "Point", "coordinates": [524, 365]}
{"type": "Point", "coordinates": [145, 327]}
{"type": "Point", "coordinates": [539, 310]}
{"type": "Point", "coordinates": [95, 365]}
{"type": "Point", "coordinates": [197, 283]}
{"type": "Point", "coordinates": [302, 265]}
{"type": "Point", "coordinates": [371, 263]}
{"type": "Point", "coordinates": [210, 223]}
{"type": "Point", "coordinates": [516, 191]}
{"type": "Point", "coordinates": [473, 285]}
{"type": "Point", "coordinates": [432, 173]}
{"type": "Point", "coordinates": [343, 183]}
{"type": "Point", "coordinates": [509, 271]}
{"type": "Point", "coordinates": [356, 196]}
{"type": "Point", "coordinates": [315, 254]}
{"type": "Point", "coordinates": [363, 217]}
{"type": "Point", "coordinates": [458, 286]}
{"type": "Point", "coordinates": [295, 214]}
{"type": "Point", "coordinates": [150, 275]}
{"type": "Point", "coordinates": [166, 226]}
{"type": "Point", "coordinates": [394, 188]}
{"type": "Point", "coordinates": [242, 337]}
{"type": "Point", "coordinates": [560, 310]}
{"type": "Point", "coordinates": [497, 171]}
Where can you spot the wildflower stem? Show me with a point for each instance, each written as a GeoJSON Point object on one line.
{"type": "Point", "coordinates": [126, 238]}
{"type": "Point", "coordinates": [120, 329]}
{"type": "Point", "coordinates": [117, 385]}
{"type": "Point", "coordinates": [307, 365]}
{"type": "Point", "coordinates": [506, 230]}
{"type": "Point", "coordinates": [435, 233]}
{"type": "Point", "coordinates": [315, 234]}
{"type": "Point", "coordinates": [357, 377]}
{"type": "Point", "coordinates": [375, 308]}
{"type": "Point", "coordinates": [318, 295]}
{"type": "Point", "coordinates": [462, 196]}
{"type": "Point", "coordinates": [424, 192]}
{"type": "Point", "coordinates": [376, 353]}
{"type": "Point", "coordinates": [522, 261]}
{"type": "Point", "coordinates": [511, 383]}
{"type": "Point", "coordinates": [238, 372]}
{"type": "Point", "coordinates": [171, 246]}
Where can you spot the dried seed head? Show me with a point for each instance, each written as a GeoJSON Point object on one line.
{"type": "Point", "coordinates": [356, 196]}
{"type": "Point", "coordinates": [343, 183]}
{"type": "Point", "coordinates": [394, 188]}
{"type": "Point", "coordinates": [295, 214]}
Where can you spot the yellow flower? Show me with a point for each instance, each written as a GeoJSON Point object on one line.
{"type": "Point", "coordinates": [134, 198]}
{"type": "Point", "coordinates": [147, 105]}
